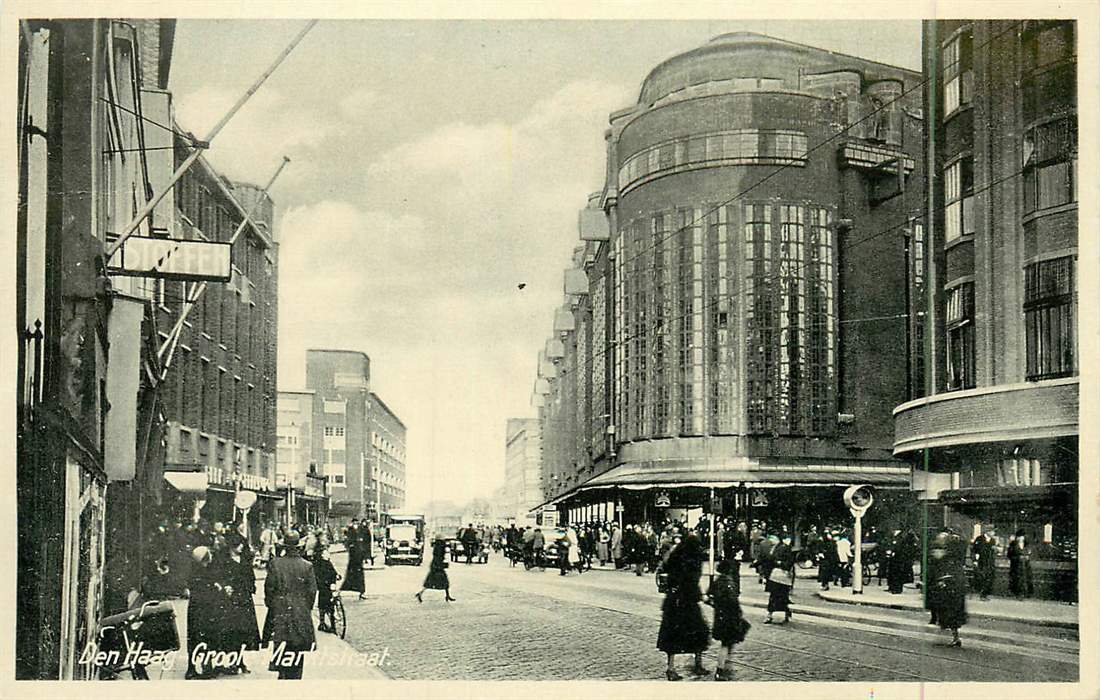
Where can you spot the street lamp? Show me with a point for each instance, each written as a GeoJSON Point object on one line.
{"type": "Point", "coordinates": [859, 500]}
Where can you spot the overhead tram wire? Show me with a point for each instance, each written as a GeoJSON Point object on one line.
{"type": "Point", "coordinates": [190, 138]}
{"type": "Point", "coordinates": [817, 146]}
{"type": "Point", "coordinates": [802, 267]}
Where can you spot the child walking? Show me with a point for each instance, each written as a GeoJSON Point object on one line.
{"type": "Point", "coordinates": [730, 626]}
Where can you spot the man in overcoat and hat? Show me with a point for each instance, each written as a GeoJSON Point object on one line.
{"type": "Point", "coordinates": [289, 592]}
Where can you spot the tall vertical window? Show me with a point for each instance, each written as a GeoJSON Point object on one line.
{"type": "Point", "coordinates": [597, 363]}
{"type": "Point", "coordinates": [661, 340]}
{"type": "Point", "coordinates": [960, 337]}
{"type": "Point", "coordinates": [759, 316]}
{"type": "Point", "coordinates": [1050, 164]}
{"type": "Point", "coordinates": [916, 286]}
{"type": "Point", "coordinates": [821, 309]}
{"type": "Point", "coordinates": [792, 316]}
{"type": "Point", "coordinates": [619, 338]}
{"type": "Point", "coordinates": [1050, 318]}
{"type": "Point", "coordinates": [958, 77]}
{"type": "Point", "coordinates": [958, 194]}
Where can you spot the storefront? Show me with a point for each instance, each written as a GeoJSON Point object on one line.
{"type": "Point", "coordinates": [776, 494]}
{"type": "Point", "coordinates": [1046, 514]}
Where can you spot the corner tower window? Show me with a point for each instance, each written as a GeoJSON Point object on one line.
{"type": "Point", "coordinates": [958, 195]}
{"type": "Point", "coordinates": [958, 77]}
{"type": "Point", "coordinates": [960, 337]}
{"type": "Point", "coordinates": [1050, 164]}
{"type": "Point", "coordinates": [1050, 318]}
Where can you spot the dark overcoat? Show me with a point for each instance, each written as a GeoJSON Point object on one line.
{"type": "Point", "coordinates": [730, 626]}
{"type": "Point", "coordinates": [947, 583]}
{"type": "Point", "coordinates": [683, 629]}
{"type": "Point", "coordinates": [289, 592]}
{"type": "Point", "coordinates": [437, 570]}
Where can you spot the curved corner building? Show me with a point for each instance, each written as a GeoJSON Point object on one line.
{"type": "Point", "coordinates": [747, 321]}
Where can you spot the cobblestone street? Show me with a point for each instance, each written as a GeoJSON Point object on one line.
{"type": "Point", "coordinates": [511, 624]}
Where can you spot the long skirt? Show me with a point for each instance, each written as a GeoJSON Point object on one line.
{"type": "Point", "coordinates": [683, 629]}
{"type": "Point", "coordinates": [949, 608]}
{"type": "Point", "coordinates": [353, 578]}
{"type": "Point", "coordinates": [779, 597]}
{"type": "Point", "coordinates": [437, 579]}
{"type": "Point", "coordinates": [601, 551]}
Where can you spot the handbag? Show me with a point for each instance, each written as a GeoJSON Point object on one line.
{"type": "Point", "coordinates": [781, 576]}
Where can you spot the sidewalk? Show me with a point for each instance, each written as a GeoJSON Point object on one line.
{"type": "Point", "coordinates": [1043, 613]}
{"type": "Point", "coordinates": [334, 659]}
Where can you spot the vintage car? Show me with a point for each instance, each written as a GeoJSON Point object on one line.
{"type": "Point", "coordinates": [404, 545]}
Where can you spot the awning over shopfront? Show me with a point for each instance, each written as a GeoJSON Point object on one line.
{"type": "Point", "coordinates": [1051, 494]}
{"type": "Point", "coordinates": [742, 471]}
{"type": "Point", "coordinates": [187, 482]}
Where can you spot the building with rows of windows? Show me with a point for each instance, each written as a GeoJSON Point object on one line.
{"type": "Point", "coordinates": [219, 389]}
{"type": "Point", "coordinates": [995, 438]}
{"type": "Point", "coordinates": [741, 314]}
{"type": "Point", "coordinates": [340, 430]}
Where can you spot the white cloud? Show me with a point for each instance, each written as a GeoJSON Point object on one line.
{"type": "Point", "coordinates": [253, 143]}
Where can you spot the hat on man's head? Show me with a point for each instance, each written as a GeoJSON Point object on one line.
{"type": "Point", "coordinates": [200, 553]}
{"type": "Point", "coordinates": [291, 539]}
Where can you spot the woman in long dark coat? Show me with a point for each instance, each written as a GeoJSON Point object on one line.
{"type": "Point", "coordinates": [947, 583]}
{"type": "Point", "coordinates": [683, 629]}
{"type": "Point", "coordinates": [730, 626]}
{"type": "Point", "coordinates": [827, 561]}
{"type": "Point", "coordinates": [353, 578]}
{"type": "Point", "coordinates": [1019, 566]}
{"type": "Point", "coordinates": [437, 572]}
{"type": "Point", "coordinates": [239, 584]}
{"type": "Point", "coordinates": [203, 611]}
{"type": "Point", "coordinates": [780, 580]}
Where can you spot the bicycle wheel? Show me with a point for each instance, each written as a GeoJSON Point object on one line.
{"type": "Point", "coordinates": [339, 617]}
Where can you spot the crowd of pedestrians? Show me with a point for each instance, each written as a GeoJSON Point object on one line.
{"type": "Point", "coordinates": [214, 566]}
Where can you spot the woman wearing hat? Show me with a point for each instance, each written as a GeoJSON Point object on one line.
{"type": "Point", "coordinates": [780, 579]}
{"type": "Point", "coordinates": [239, 586]}
{"type": "Point", "coordinates": [683, 629]}
{"type": "Point", "coordinates": [947, 583]}
{"type": "Point", "coordinates": [203, 614]}
{"type": "Point", "coordinates": [437, 571]}
{"type": "Point", "coordinates": [1019, 566]}
{"type": "Point", "coordinates": [730, 626]}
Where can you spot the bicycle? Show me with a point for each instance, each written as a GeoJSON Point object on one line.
{"type": "Point", "coordinates": [339, 616]}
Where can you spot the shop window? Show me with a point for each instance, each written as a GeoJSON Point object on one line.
{"type": "Point", "coordinates": [960, 337]}
{"type": "Point", "coordinates": [1050, 318]}
{"type": "Point", "coordinates": [958, 76]}
{"type": "Point", "coordinates": [958, 186]}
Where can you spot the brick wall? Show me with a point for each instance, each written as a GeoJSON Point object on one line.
{"type": "Point", "coordinates": [222, 380]}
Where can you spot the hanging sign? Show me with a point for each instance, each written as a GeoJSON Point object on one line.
{"type": "Point", "coordinates": [663, 500]}
{"type": "Point", "coordinates": [759, 498]}
{"type": "Point", "coordinates": [171, 258]}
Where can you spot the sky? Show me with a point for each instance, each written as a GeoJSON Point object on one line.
{"type": "Point", "coordinates": [436, 165]}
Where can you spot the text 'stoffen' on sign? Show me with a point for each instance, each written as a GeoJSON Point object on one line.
{"type": "Point", "coordinates": [173, 259]}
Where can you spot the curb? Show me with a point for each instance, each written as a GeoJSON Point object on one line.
{"type": "Point", "coordinates": [1038, 622]}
